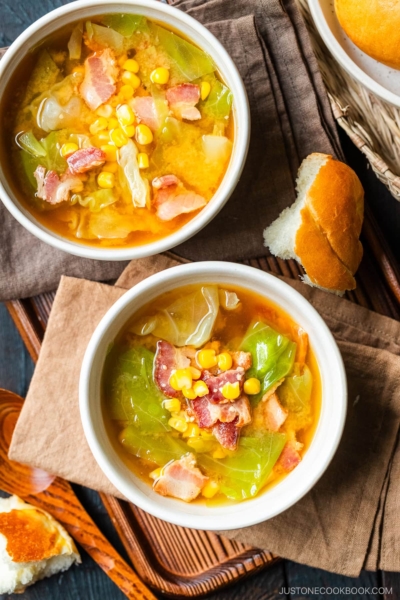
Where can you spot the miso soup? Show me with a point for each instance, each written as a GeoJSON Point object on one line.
{"type": "Point", "coordinates": [118, 130]}
{"type": "Point", "coordinates": [211, 394]}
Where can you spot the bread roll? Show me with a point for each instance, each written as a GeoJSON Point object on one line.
{"type": "Point", "coordinates": [321, 229]}
{"type": "Point", "coordinates": [374, 27]}
{"type": "Point", "coordinates": [32, 545]}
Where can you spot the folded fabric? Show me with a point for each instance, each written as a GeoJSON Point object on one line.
{"type": "Point", "coordinates": [290, 117]}
{"type": "Point", "coordinates": [331, 527]}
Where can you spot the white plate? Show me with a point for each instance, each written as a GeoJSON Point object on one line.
{"type": "Point", "coordinates": [381, 80]}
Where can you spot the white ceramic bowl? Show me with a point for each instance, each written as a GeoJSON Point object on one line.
{"type": "Point", "coordinates": [323, 445]}
{"type": "Point", "coordinates": [191, 28]}
{"type": "Point", "coordinates": [381, 80]}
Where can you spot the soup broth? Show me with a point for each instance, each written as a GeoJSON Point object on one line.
{"type": "Point", "coordinates": [211, 394]}
{"type": "Point", "coordinates": [122, 133]}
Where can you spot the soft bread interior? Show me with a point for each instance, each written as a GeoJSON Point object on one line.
{"type": "Point", "coordinates": [281, 234]}
{"type": "Point", "coordinates": [16, 576]}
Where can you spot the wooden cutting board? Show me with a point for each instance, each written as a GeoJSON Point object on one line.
{"type": "Point", "coordinates": [182, 562]}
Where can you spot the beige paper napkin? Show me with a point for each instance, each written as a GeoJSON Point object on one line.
{"type": "Point", "coordinates": [331, 527]}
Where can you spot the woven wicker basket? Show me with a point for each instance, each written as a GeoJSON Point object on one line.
{"type": "Point", "coordinates": [372, 125]}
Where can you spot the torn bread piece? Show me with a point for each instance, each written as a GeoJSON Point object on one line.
{"type": "Point", "coordinates": [33, 545]}
{"type": "Point", "coordinates": [321, 229]}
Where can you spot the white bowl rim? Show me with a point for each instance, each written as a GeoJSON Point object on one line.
{"type": "Point", "coordinates": [344, 59]}
{"type": "Point", "coordinates": [175, 516]}
{"type": "Point", "coordinates": [238, 158]}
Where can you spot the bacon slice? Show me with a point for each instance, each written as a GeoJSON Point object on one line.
{"type": "Point", "coordinates": [290, 456]}
{"type": "Point", "coordinates": [165, 181]}
{"type": "Point", "coordinates": [273, 412]}
{"type": "Point", "coordinates": [172, 199]}
{"type": "Point", "coordinates": [181, 479]}
{"type": "Point", "coordinates": [85, 159]}
{"type": "Point", "coordinates": [215, 383]}
{"type": "Point", "coordinates": [182, 100]}
{"type": "Point", "coordinates": [242, 359]}
{"type": "Point", "coordinates": [227, 434]}
{"type": "Point", "coordinates": [52, 189]}
{"type": "Point", "coordinates": [207, 413]}
{"type": "Point", "coordinates": [168, 359]}
{"type": "Point", "coordinates": [144, 108]}
{"type": "Point", "coordinates": [101, 73]}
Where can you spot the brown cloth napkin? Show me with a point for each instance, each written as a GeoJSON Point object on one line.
{"type": "Point", "coordinates": [290, 116]}
{"type": "Point", "coordinates": [345, 522]}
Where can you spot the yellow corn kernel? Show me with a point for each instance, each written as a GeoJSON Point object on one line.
{"type": "Point", "coordinates": [210, 489]}
{"type": "Point", "coordinates": [99, 125]}
{"type": "Point", "coordinates": [200, 388]}
{"type": "Point", "coordinates": [131, 79]}
{"type": "Point", "coordinates": [78, 69]}
{"type": "Point", "coordinates": [198, 444]}
{"type": "Point", "coordinates": [143, 162]}
{"type": "Point", "coordinates": [106, 180]}
{"type": "Point", "coordinates": [103, 136]}
{"type": "Point", "coordinates": [207, 435]}
{"type": "Point", "coordinates": [113, 123]}
{"type": "Point", "coordinates": [111, 167]}
{"type": "Point", "coordinates": [110, 152]}
{"type": "Point", "coordinates": [156, 473]}
{"type": "Point", "coordinates": [68, 149]}
{"type": "Point", "coordinates": [125, 114]}
{"type": "Point", "coordinates": [129, 130]}
{"type": "Point", "coordinates": [196, 373]}
{"type": "Point", "coordinates": [224, 361]}
{"type": "Point", "coordinates": [172, 404]}
{"type": "Point", "coordinates": [206, 358]}
{"type": "Point", "coordinates": [160, 75]}
{"type": "Point", "coordinates": [252, 386]}
{"type": "Point", "coordinates": [178, 424]}
{"type": "Point", "coordinates": [143, 135]}
{"type": "Point", "coordinates": [182, 378]}
{"type": "Point", "coordinates": [105, 110]}
{"type": "Point", "coordinates": [205, 89]}
{"type": "Point", "coordinates": [192, 430]}
{"type": "Point", "coordinates": [131, 65]}
{"type": "Point", "coordinates": [219, 453]}
{"type": "Point", "coordinates": [231, 391]}
{"type": "Point", "coordinates": [126, 92]}
{"type": "Point", "coordinates": [118, 137]}
{"type": "Point", "coordinates": [122, 60]}
{"type": "Point", "coordinates": [189, 393]}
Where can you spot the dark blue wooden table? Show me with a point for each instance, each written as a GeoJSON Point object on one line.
{"type": "Point", "coordinates": [285, 579]}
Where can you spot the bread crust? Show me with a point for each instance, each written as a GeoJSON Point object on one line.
{"type": "Point", "coordinates": [374, 27]}
{"type": "Point", "coordinates": [327, 241]}
{"type": "Point", "coordinates": [336, 203]}
{"type": "Point", "coordinates": [322, 265]}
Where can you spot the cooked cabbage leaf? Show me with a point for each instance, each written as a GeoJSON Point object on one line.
{"type": "Point", "coordinates": [125, 24]}
{"type": "Point", "coordinates": [242, 475]}
{"type": "Point", "coordinates": [131, 177]}
{"type": "Point", "coordinates": [295, 395]}
{"type": "Point", "coordinates": [131, 393]}
{"type": "Point", "coordinates": [97, 200]}
{"type": "Point", "coordinates": [218, 103]}
{"type": "Point", "coordinates": [75, 42]}
{"type": "Point", "coordinates": [273, 355]}
{"type": "Point", "coordinates": [159, 449]}
{"type": "Point", "coordinates": [190, 62]}
{"type": "Point", "coordinates": [44, 75]}
{"type": "Point", "coordinates": [29, 143]}
{"type": "Point", "coordinates": [187, 321]}
{"type": "Point", "coordinates": [109, 38]}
